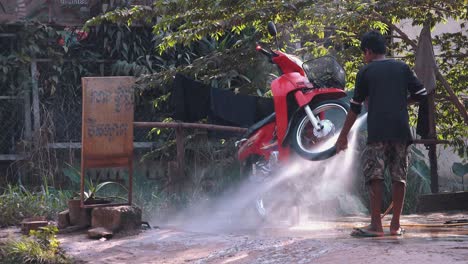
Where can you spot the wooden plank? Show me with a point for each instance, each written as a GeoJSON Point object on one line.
{"type": "Point", "coordinates": [107, 125]}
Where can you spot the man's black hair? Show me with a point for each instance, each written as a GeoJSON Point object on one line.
{"type": "Point", "coordinates": [373, 41]}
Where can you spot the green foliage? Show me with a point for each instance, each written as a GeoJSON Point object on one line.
{"type": "Point", "coordinates": [460, 169]}
{"type": "Point", "coordinates": [107, 50]}
{"type": "Point", "coordinates": [41, 247]}
{"type": "Point", "coordinates": [91, 188]}
{"type": "Point", "coordinates": [319, 27]}
{"type": "Point", "coordinates": [17, 203]}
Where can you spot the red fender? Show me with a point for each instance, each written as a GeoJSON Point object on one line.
{"type": "Point", "coordinates": [280, 88]}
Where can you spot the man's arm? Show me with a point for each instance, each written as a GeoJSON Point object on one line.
{"type": "Point", "coordinates": [342, 142]}
{"type": "Point", "coordinates": [360, 94]}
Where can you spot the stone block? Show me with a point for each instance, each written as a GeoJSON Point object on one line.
{"type": "Point", "coordinates": [33, 223]}
{"type": "Point", "coordinates": [78, 216]}
{"type": "Point", "coordinates": [63, 219]}
{"type": "Point", "coordinates": [116, 218]}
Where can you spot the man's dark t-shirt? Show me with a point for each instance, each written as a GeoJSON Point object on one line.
{"type": "Point", "coordinates": [386, 83]}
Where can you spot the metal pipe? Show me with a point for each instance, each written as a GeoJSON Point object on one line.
{"type": "Point", "coordinates": [189, 125]}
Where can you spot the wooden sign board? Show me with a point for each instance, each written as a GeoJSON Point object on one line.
{"type": "Point", "coordinates": [107, 124]}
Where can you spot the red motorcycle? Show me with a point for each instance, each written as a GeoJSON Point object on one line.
{"type": "Point", "coordinates": [307, 116]}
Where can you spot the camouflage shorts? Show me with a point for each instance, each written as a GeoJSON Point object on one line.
{"type": "Point", "coordinates": [381, 155]}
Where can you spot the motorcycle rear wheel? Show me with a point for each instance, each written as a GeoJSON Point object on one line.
{"type": "Point", "coordinates": [313, 144]}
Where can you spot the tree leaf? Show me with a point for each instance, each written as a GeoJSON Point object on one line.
{"type": "Point", "coordinates": [460, 169]}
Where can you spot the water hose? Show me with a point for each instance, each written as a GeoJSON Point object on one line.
{"type": "Point", "coordinates": [432, 225]}
{"type": "Point", "coordinates": [446, 224]}
{"type": "Point", "coordinates": [390, 207]}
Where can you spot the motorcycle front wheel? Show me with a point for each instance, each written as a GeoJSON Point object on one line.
{"type": "Point", "coordinates": [313, 144]}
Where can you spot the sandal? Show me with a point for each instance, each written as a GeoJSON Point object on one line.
{"type": "Point", "coordinates": [399, 232]}
{"type": "Point", "coordinates": [360, 232]}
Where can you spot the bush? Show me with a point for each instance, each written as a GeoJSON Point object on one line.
{"type": "Point", "coordinates": [17, 203]}
{"type": "Point", "coordinates": [41, 247]}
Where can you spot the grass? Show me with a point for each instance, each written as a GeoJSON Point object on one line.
{"type": "Point", "coordinates": [41, 247]}
{"type": "Point", "coordinates": [17, 203]}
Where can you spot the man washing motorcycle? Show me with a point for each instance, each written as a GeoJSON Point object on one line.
{"type": "Point", "coordinates": [384, 84]}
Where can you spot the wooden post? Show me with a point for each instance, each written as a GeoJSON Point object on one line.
{"type": "Point", "coordinates": [434, 168]}
{"type": "Point", "coordinates": [27, 116]}
{"type": "Point", "coordinates": [130, 180]}
{"type": "Point", "coordinates": [180, 159]}
{"type": "Point", "coordinates": [35, 101]}
{"type": "Point", "coordinates": [433, 147]}
{"type": "Point", "coordinates": [49, 5]}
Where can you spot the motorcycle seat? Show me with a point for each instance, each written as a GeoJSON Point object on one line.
{"type": "Point", "coordinates": [259, 124]}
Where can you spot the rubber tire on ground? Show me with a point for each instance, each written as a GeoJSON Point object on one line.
{"type": "Point", "coordinates": [315, 156]}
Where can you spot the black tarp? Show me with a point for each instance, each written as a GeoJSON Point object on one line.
{"type": "Point", "coordinates": [193, 101]}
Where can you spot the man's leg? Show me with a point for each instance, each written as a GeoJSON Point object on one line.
{"type": "Point", "coordinates": [398, 196]}
{"type": "Point", "coordinates": [373, 171]}
{"type": "Point", "coordinates": [398, 167]}
{"type": "Point", "coordinates": [375, 197]}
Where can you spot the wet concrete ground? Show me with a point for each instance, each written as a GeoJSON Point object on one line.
{"type": "Point", "coordinates": [310, 242]}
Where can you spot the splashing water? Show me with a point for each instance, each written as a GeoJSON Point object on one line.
{"type": "Point", "coordinates": [324, 187]}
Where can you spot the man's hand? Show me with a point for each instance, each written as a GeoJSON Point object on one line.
{"type": "Point", "coordinates": [341, 143]}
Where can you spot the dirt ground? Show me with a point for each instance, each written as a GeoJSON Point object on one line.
{"type": "Point", "coordinates": [310, 242]}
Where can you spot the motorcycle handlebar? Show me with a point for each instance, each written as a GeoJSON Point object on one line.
{"type": "Point", "coordinates": [266, 52]}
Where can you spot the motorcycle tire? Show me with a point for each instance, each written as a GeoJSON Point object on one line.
{"type": "Point", "coordinates": [319, 145]}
